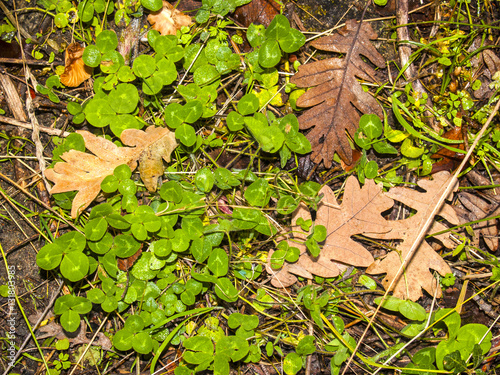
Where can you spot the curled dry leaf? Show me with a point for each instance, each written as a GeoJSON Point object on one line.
{"type": "Point", "coordinates": [361, 213]}
{"type": "Point", "coordinates": [168, 20]}
{"type": "Point", "coordinates": [85, 172]}
{"type": "Point", "coordinates": [337, 97]}
{"type": "Point", "coordinates": [75, 70]}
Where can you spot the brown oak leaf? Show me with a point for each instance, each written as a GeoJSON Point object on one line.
{"type": "Point", "coordinates": [480, 208]}
{"type": "Point", "coordinates": [337, 98]}
{"type": "Point", "coordinates": [84, 172]}
{"type": "Point", "coordinates": [260, 12]}
{"type": "Point", "coordinates": [361, 213]}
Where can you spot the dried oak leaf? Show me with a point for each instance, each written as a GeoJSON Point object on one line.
{"type": "Point", "coordinates": [287, 275]}
{"type": "Point", "coordinates": [168, 20]}
{"type": "Point", "coordinates": [359, 213]}
{"type": "Point", "coordinates": [75, 70]}
{"type": "Point", "coordinates": [152, 146]}
{"type": "Point", "coordinates": [337, 98]}
{"type": "Point", "coordinates": [85, 172]}
{"type": "Point", "coordinates": [417, 274]}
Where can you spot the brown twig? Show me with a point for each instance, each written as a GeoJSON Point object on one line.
{"type": "Point", "coordinates": [405, 51]}
{"type": "Point", "coordinates": [9, 60]}
{"type": "Point", "coordinates": [27, 125]}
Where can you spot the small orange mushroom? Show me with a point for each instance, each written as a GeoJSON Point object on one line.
{"type": "Point", "coordinates": [168, 20]}
{"type": "Point", "coordinates": [75, 70]}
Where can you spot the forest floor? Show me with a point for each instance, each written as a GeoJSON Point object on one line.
{"type": "Point", "coordinates": [251, 199]}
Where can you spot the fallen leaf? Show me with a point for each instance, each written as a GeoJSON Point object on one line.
{"type": "Point", "coordinates": [260, 12]}
{"type": "Point", "coordinates": [124, 264]}
{"type": "Point", "coordinates": [85, 172]}
{"type": "Point", "coordinates": [450, 160]}
{"type": "Point", "coordinates": [168, 20]}
{"type": "Point", "coordinates": [153, 145]}
{"type": "Point", "coordinates": [189, 5]}
{"type": "Point", "coordinates": [75, 70]}
{"type": "Point", "coordinates": [356, 157]}
{"type": "Point", "coordinates": [361, 213]}
{"type": "Point", "coordinates": [286, 276]}
{"type": "Point", "coordinates": [337, 98]}
{"type": "Point", "coordinates": [491, 60]}
{"type": "Point", "coordinates": [53, 329]}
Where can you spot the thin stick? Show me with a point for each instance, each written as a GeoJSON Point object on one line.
{"type": "Point", "coordinates": [27, 125]}
{"type": "Point", "coordinates": [448, 188]}
{"type": "Point", "coordinates": [11, 60]}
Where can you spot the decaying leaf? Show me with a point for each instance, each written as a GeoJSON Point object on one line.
{"type": "Point", "coordinates": [168, 20]}
{"type": "Point", "coordinates": [361, 213]}
{"type": "Point", "coordinates": [75, 70]}
{"type": "Point", "coordinates": [450, 160]}
{"type": "Point", "coordinates": [260, 12]}
{"type": "Point", "coordinates": [337, 98]}
{"type": "Point", "coordinates": [85, 172]}
{"type": "Point", "coordinates": [124, 264]}
{"type": "Point", "coordinates": [53, 329]}
{"type": "Point", "coordinates": [485, 76]}
{"type": "Point", "coordinates": [492, 61]}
